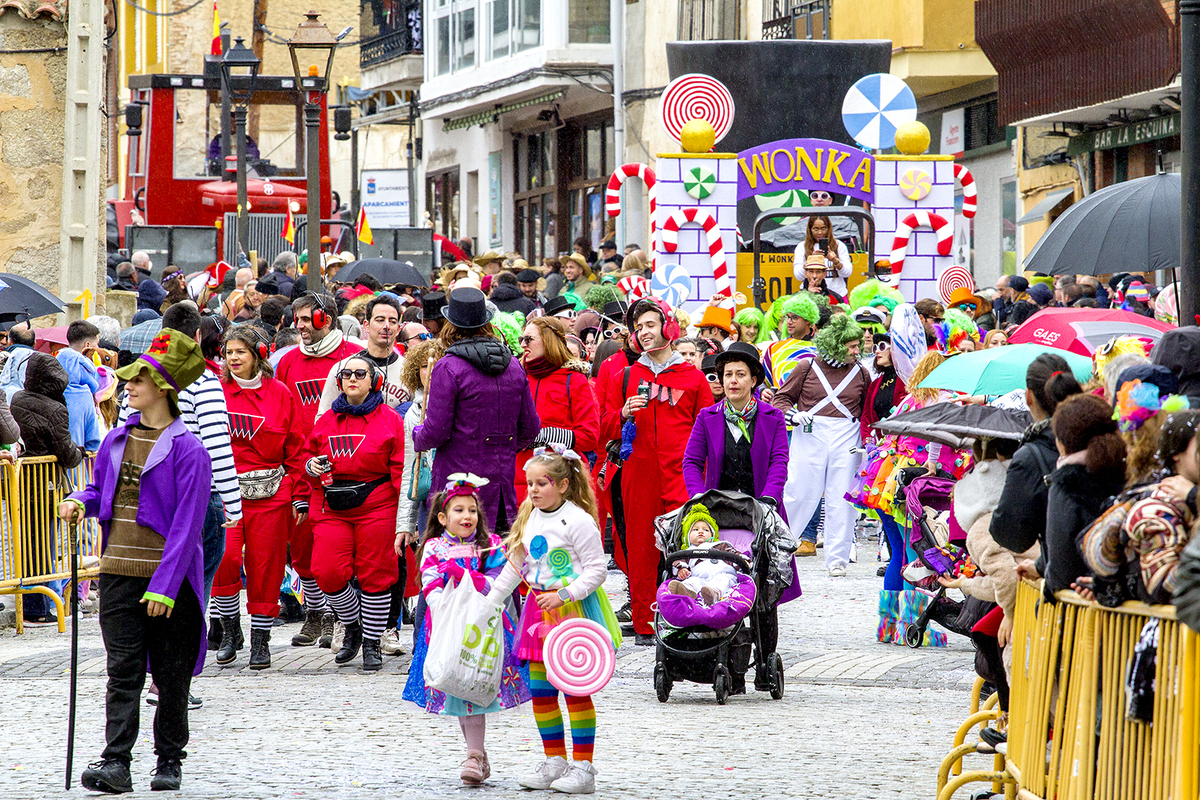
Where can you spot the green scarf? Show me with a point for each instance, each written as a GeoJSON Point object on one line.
{"type": "Point", "coordinates": [742, 418]}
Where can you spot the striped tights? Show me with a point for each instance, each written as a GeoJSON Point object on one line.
{"type": "Point", "coordinates": [548, 715]}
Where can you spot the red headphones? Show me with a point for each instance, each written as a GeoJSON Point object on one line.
{"type": "Point", "coordinates": [319, 317]}
{"type": "Point", "coordinates": [261, 347]}
{"type": "Point", "coordinates": [376, 377]}
{"type": "Point", "coordinates": [670, 325]}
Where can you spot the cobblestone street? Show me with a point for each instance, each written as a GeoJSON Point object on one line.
{"type": "Point", "coordinates": [858, 720]}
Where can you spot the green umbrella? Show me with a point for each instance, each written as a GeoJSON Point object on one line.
{"type": "Point", "coordinates": [998, 370]}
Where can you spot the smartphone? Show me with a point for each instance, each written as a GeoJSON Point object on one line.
{"type": "Point", "coordinates": [644, 390]}
{"type": "Point", "coordinates": [823, 245]}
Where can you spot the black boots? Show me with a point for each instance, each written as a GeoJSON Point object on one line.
{"type": "Point", "coordinates": [351, 644]}
{"type": "Point", "coordinates": [326, 639]}
{"type": "Point", "coordinates": [214, 633]}
{"type": "Point", "coordinates": [310, 631]}
{"type": "Point", "coordinates": [167, 775]}
{"type": "Point", "coordinates": [231, 632]}
{"type": "Point", "coordinates": [260, 649]}
{"type": "Point", "coordinates": [109, 776]}
{"type": "Point", "coordinates": [372, 655]}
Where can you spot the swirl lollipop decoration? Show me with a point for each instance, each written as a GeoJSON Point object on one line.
{"type": "Point", "coordinates": [580, 658]}
{"type": "Point", "coordinates": [560, 563]}
{"type": "Point", "coordinates": [675, 287]}
{"type": "Point", "coordinates": [696, 96]}
{"type": "Point", "coordinates": [875, 107]}
{"type": "Point", "coordinates": [955, 277]}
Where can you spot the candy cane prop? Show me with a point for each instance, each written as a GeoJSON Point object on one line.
{"type": "Point", "coordinates": [612, 196]}
{"type": "Point", "coordinates": [716, 245]}
{"type": "Point", "coordinates": [970, 194]}
{"type": "Point", "coordinates": [918, 219]}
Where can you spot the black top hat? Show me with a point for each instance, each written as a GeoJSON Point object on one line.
{"type": "Point", "coordinates": [432, 304]}
{"type": "Point", "coordinates": [527, 276]}
{"type": "Point", "coordinates": [467, 308]}
{"type": "Point", "coordinates": [708, 364]}
{"type": "Point", "coordinates": [557, 305]}
{"type": "Point", "coordinates": [746, 353]}
{"type": "Point", "coordinates": [616, 309]}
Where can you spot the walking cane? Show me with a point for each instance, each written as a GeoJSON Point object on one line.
{"type": "Point", "coordinates": [74, 648]}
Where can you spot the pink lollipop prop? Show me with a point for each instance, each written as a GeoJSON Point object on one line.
{"type": "Point", "coordinates": [580, 658]}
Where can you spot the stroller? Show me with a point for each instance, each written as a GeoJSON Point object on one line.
{"type": "Point", "coordinates": [712, 644]}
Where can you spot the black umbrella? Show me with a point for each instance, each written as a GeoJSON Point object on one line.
{"type": "Point", "coordinates": [1128, 227]}
{"type": "Point", "coordinates": [387, 271]}
{"type": "Point", "coordinates": [957, 425]}
{"type": "Point", "coordinates": [22, 296]}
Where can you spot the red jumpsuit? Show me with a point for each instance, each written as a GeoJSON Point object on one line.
{"type": "Point", "coordinates": [564, 399]}
{"type": "Point", "coordinates": [602, 384]}
{"type": "Point", "coordinates": [306, 376]}
{"type": "Point", "coordinates": [652, 477]}
{"type": "Point", "coordinates": [360, 541]}
{"type": "Point", "coordinates": [264, 431]}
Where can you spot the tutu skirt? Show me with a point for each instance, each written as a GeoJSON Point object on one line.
{"type": "Point", "coordinates": [536, 624]}
{"type": "Point", "coordinates": [514, 688]}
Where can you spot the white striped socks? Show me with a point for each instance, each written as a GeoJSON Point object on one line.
{"type": "Point", "coordinates": [261, 622]}
{"type": "Point", "coordinates": [345, 605]}
{"type": "Point", "coordinates": [314, 598]}
{"type": "Point", "coordinates": [228, 606]}
{"type": "Point", "coordinates": [375, 613]}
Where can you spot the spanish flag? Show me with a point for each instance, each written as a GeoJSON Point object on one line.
{"type": "Point", "coordinates": [216, 39]}
{"type": "Point", "coordinates": [363, 228]}
{"type": "Point", "coordinates": [289, 226]}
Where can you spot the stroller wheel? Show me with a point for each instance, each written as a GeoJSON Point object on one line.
{"type": "Point", "coordinates": [722, 682]}
{"type": "Point", "coordinates": [775, 664]}
{"type": "Point", "coordinates": [662, 683]}
{"type": "Point", "coordinates": [914, 636]}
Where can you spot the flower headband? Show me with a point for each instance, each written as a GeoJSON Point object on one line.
{"type": "Point", "coordinates": [172, 275]}
{"type": "Point", "coordinates": [463, 483]}
{"type": "Point", "coordinates": [555, 449]}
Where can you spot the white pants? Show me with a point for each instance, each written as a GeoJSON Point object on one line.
{"type": "Point", "coordinates": [821, 463]}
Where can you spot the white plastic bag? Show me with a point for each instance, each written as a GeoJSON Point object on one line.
{"type": "Point", "coordinates": [466, 647]}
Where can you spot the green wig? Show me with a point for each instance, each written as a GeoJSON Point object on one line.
{"type": "Point", "coordinates": [601, 295]}
{"type": "Point", "coordinates": [873, 293]}
{"type": "Point", "coordinates": [508, 325]}
{"type": "Point", "coordinates": [831, 340]}
{"type": "Point", "coordinates": [955, 327]}
{"type": "Point", "coordinates": [698, 513]}
{"type": "Point", "coordinates": [752, 317]}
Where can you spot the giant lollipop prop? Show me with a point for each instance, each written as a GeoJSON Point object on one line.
{"type": "Point", "coordinates": [580, 659]}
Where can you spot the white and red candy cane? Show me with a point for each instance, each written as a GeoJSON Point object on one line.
{"type": "Point", "coordinates": [612, 196]}
{"type": "Point", "coordinates": [716, 245]}
{"type": "Point", "coordinates": [634, 287]}
{"type": "Point", "coordinates": [970, 194]}
{"type": "Point", "coordinates": [919, 219]}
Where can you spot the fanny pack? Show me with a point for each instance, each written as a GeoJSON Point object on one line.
{"type": "Point", "coordinates": [349, 495]}
{"type": "Point", "coordinates": [260, 484]}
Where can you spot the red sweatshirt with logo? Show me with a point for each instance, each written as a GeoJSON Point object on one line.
{"type": "Point", "coordinates": [306, 377]}
{"type": "Point", "coordinates": [360, 448]}
{"type": "Point", "coordinates": [265, 432]}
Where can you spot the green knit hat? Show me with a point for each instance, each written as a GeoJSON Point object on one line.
{"type": "Point", "coordinates": [174, 362]}
{"type": "Point", "coordinates": [831, 340]}
{"type": "Point", "coordinates": [698, 513]}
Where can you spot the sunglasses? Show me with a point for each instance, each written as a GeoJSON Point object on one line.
{"type": "Point", "coordinates": [712, 377]}
{"type": "Point", "coordinates": [932, 319]}
{"type": "Point", "coordinates": [883, 347]}
{"type": "Point", "coordinates": [525, 341]}
{"type": "Point", "coordinates": [969, 307]}
{"type": "Point", "coordinates": [820, 196]}
{"type": "Point", "coordinates": [357, 374]}
{"type": "Point", "coordinates": [420, 337]}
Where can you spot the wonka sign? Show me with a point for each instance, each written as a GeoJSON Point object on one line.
{"type": "Point", "coordinates": [806, 164]}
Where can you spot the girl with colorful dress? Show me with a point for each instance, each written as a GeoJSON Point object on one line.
{"type": "Point", "coordinates": [456, 547]}
{"type": "Point", "coordinates": [556, 548]}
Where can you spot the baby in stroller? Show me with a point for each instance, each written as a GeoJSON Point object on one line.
{"type": "Point", "coordinates": [710, 580]}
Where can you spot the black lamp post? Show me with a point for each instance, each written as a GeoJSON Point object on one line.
{"type": "Point", "coordinates": [239, 69]}
{"type": "Point", "coordinates": [312, 47]}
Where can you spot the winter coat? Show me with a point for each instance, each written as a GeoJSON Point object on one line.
{"type": "Point", "coordinates": [40, 410]}
{"type": "Point", "coordinates": [12, 377]}
{"type": "Point", "coordinates": [705, 452]}
{"type": "Point", "coordinates": [480, 414]}
{"type": "Point", "coordinates": [1019, 521]}
{"type": "Point", "coordinates": [151, 295]}
{"type": "Point", "coordinates": [1187, 585]}
{"type": "Point", "coordinates": [1179, 351]}
{"type": "Point", "coordinates": [81, 398]}
{"type": "Point", "coordinates": [508, 298]}
{"type": "Point", "coordinates": [1157, 530]}
{"type": "Point", "coordinates": [566, 407]}
{"type": "Point", "coordinates": [1075, 499]}
{"type": "Point", "coordinates": [975, 498]}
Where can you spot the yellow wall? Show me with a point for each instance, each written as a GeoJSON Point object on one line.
{"type": "Point", "coordinates": [898, 20]}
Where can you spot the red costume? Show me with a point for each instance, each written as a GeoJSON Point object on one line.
{"type": "Point", "coordinates": [652, 476]}
{"type": "Point", "coordinates": [265, 434]}
{"type": "Point", "coordinates": [359, 541]}
{"type": "Point", "coordinates": [602, 384]}
{"type": "Point", "coordinates": [305, 376]}
{"type": "Point", "coordinates": [564, 399]}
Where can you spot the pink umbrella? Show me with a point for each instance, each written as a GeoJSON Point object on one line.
{"type": "Point", "coordinates": [1084, 330]}
{"type": "Point", "coordinates": [48, 336]}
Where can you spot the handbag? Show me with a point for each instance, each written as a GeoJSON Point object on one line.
{"type": "Point", "coordinates": [349, 495]}
{"type": "Point", "coordinates": [466, 647]}
{"type": "Point", "coordinates": [260, 484]}
{"type": "Point", "coordinates": [420, 479]}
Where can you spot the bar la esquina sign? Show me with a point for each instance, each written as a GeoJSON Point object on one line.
{"type": "Point", "coordinates": [806, 164]}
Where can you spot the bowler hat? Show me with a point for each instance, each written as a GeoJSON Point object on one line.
{"type": "Point", "coordinates": [615, 310]}
{"type": "Point", "coordinates": [557, 305]}
{"type": "Point", "coordinates": [467, 308]}
{"type": "Point", "coordinates": [432, 304]}
{"type": "Point", "coordinates": [747, 354]}
{"type": "Point", "coordinates": [527, 276]}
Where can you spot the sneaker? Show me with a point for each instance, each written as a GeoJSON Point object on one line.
{"type": "Point", "coordinates": [837, 571]}
{"type": "Point", "coordinates": [580, 779]}
{"type": "Point", "coordinates": [41, 620]}
{"type": "Point", "coordinates": [152, 699]}
{"type": "Point", "coordinates": [879, 573]}
{"type": "Point", "coordinates": [546, 773]}
{"type": "Point", "coordinates": [167, 775]}
{"type": "Point", "coordinates": [678, 587]}
{"type": "Point", "coordinates": [709, 595]}
{"type": "Point", "coordinates": [475, 768]}
{"type": "Point", "coordinates": [625, 613]}
{"type": "Point", "coordinates": [806, 548]}
{"type": "Point", "coordinates": [109, 776]}
{"type": "Point", "coordinates": [152, 695]}
{"type": "Point", "coordinates": [390, 643]}
{"type": "Point", "coordinates": [993, 736]}
{"type": "Point", "coordinates": [854, 553]}
{"type": "Point", "coordinates": [820, 540]}
{"type": "Point", "coordinates": [194, 702]}
{"type": "Point", "coordinates": [89, 606]}
{"type": "Point", "coordinates": [339, 635]}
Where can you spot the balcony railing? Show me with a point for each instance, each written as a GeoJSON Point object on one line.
{"type": "Point", "coordinates": [387, 47]}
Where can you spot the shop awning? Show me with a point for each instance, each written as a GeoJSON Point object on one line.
{"type": "Point", "coordinates": [484, 117]}
{"type": "Point", "coordinates": [1043, 208]}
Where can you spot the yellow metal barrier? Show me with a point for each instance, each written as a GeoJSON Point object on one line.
{"type": "Point", "coordinates": [35, 548]}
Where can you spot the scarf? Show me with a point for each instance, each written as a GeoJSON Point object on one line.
{"type": "Point", "coordinates": [742, 418]}
{"type": "Point", "coordinates": [539, 367]}
{"type": "Point", "coordinates": [253, 383]}
{"type": "Point", "coordinates": [332, 341]}
{"type": "Point", "coordinates": [342, 406]}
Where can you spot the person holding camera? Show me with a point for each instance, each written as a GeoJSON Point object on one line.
{"type": "Point", "coordinates": [356, 468]}
{"type": "Point", "coordinates": [819, 241]}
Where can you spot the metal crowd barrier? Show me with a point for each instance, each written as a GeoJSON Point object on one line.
{"type": "Point", "coordinates": [1069, 737]}
{"type": "Point", "coordinates": [35, 547]}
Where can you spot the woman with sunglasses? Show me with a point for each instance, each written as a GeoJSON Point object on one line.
{"type": "Point", "coordinates": [819, 239]}
{"type": "Point", "coordinates": [356, 469]}
{"type": "Point", "coordinates": [563, 395]}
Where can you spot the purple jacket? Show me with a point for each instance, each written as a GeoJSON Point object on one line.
{"type": "Point", "coordinates": [479, 415]}
{"type": "Point", "coordinates": [768, 453]}
{"type": "Point", "coordinates": [167, 504]}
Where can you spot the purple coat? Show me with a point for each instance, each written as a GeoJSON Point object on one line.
{"type": "Point", "coordinates": [768, 453]}
{"type": "Point", "coordinates": [479, 415]}
{"type": "Point", "coordinates": [167, 504]}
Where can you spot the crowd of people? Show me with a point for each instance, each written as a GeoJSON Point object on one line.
{"type": "Point", "coordinates": [520, 429]}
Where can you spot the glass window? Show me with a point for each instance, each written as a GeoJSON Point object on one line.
{"type": "Point", "coordinates": [533, 153]}
{"type": "Point", "coordinates": [588, 22]}
{"type": "Point", "coordinates": [521, 178]}
{"type": "Point", "coordinates": [501, 21]}
{"type": "Point", "coordinates": [610, 150]}
{"type": "Point", "coordinates": [1008, 232]}
{"type": "Point", "coordinates": [527, 32]}
{"type": "Point", "coordinates": [549, 164]}
{"type": "Point", "coordinates": [464, 39]}
{"type": "Point", "coordinates": [443, 45]}
{"type": "Point", "coordinates": [594, 152]}
{"type": "Point", "coordinates": [548, 232]}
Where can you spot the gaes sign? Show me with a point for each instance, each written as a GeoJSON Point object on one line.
{"type": "Point", "coordinates": [806, 164]}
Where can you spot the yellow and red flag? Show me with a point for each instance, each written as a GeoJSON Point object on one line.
{"type": "Point", "coordinates": [216, 37]}
{"type": "Point", "coordinates": [363, 228]}
{"type": "Point", "coordinates": [289, 227]}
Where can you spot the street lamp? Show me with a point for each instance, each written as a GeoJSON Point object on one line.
{"type": "Point", "coordinates": [239, 69]}
{"type": "Point", "coordinates": [312, 47]}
